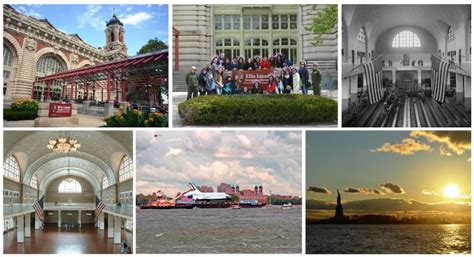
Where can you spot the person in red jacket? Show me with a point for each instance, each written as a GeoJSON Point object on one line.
{"type": "Point", "coordinates": [264, 64]}
{"type": "Point", "coordinates": [272, 84]}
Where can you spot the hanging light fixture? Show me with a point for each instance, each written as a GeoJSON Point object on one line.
{"type": "Point", "coordinates": [63, 144]}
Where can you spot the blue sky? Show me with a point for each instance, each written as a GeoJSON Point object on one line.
{"type": "Point", "coordinates": [174, 158]}
{"type": "Point", "coordinates": [141, 22]}
{"type": "Point", "coordinates": [420, 163]}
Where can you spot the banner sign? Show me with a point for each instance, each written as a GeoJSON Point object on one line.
{"type": "Point", "coordinates": [248, 77]}
{"type": "Point", "coordinates": [60, 110]}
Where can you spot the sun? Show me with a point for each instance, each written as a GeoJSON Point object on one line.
{"type": "Point", "coordinates": [451, 191]}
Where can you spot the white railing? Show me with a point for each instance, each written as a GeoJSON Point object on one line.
{"type": "Point", "coordinates": [68, 206]}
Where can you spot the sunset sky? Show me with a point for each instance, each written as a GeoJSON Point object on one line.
{"type": "Point", "coordinates": [171, 160]}
{"type": "Point", "coordinates": [426, 168]}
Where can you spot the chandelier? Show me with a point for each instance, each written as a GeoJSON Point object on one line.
{"type": "Point", "coordinates": [63, 144]}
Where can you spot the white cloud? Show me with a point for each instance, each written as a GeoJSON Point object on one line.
{"type": "Point", "coordinates": [211, 157]}
{"type": "Point", "coordinates": [136, 19]}
{"type": "Point", "coordinates": [91, 17]}
{"type": "Point", "coordinates": [30, 11]}
{"type": "Point", "coordinates": [174, 152]}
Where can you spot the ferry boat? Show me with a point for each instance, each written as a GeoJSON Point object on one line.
{"type": "Point", "coordinates": [286, 206]}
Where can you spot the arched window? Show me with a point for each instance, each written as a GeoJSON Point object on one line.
{"type": "Point", "coordinates": [450, 34]}
{"type": "Point", "coordinates": [49, 64]}
{"type": "Point", "coordinates": [256, 46]}
{"type": "Point", "coordinates": [105, 183]}
{"type": "Point", "coordinates": [406, 39]}
{"type": "Point", "coordinates": [34, 182]}
{"type": "Point", "coordinates": [70, 185]}
{"type": "Point", "coordinates": [361, 37]}
{"type": "Point", "coordinates": [126, 169]}
{"type": "Point", "coordinates": [8, 62]}
{"type": "Point", "coordinates": [230, 47]}
{"type": "Point", "coordinates": [287, 46]}
{"type": "Point", "coordinates": [11, 169]}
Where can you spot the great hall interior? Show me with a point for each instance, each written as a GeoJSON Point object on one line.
{"type": "Point", "coordinates": [406, 37]}
{"type": "Point", "coordinates": [68, 174]}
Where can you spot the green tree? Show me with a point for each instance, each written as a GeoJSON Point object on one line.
{"type": "Point", "coordinates": [153, 45]}
{"type": "Point", "coordinates": [323, 22]}
{"type": "Point", "coordinates": [234, 198]}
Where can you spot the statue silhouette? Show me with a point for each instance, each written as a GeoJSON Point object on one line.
{"type": "Point", "coordinates": [339, 216]}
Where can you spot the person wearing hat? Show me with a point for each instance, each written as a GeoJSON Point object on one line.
{"type": "Point", "coordinates": [316, 77]}
{"type": "Point", "coordinates": [304, 76]}
{"type": "Point", "coordinates": [192, 82]}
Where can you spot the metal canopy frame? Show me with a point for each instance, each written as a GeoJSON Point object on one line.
{"type": "Point", "coordinates": [111, 75]}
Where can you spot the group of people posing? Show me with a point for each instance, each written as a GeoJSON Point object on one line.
{"type": "Point", "coordinates": [284, 79]}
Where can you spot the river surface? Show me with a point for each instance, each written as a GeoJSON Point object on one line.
{"type": "Point", "coordinates": [260, 230]}
{"type": "Point", "coordinates": [392, 239]}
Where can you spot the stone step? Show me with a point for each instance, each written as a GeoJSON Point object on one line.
{"type": "Point", "coordinates": [179, 81]}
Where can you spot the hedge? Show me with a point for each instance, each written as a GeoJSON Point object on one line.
{"type": "Point", "coordinates": [11, 115]}
{"type": "Point", "coordinates": [258, 110]}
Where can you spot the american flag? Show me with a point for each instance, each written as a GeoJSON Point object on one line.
{"type": "Point", "coordinates": [439, 78]}
{"type": "Point", "coordinates": [373, 74]}
{"type": "Point", "coordinates": [38, 206]}
{"type": "Point", "coordinates": [99, 207]}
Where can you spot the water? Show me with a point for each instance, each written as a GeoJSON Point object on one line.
{"type": "Point", "coordinates": [393, 239]}
{"type": "Point", "coordinates": [267, 230]}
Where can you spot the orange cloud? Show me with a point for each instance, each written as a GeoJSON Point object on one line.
{"type": "Point", "coordinates": [408, 146]}
{"type": "Point", "coordinates": [456, 141]}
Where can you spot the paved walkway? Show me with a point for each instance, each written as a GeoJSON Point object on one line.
{"type": "Point", "coordinates": [179, 97]}
{"type": "Point", "coordinates": [84, 121]}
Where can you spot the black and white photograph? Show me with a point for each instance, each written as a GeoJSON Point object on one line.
{"type": "Point", "coordinates": [406, 66]}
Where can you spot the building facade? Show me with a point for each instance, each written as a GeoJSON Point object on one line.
{"type": "Point", "coordinates": [201, 31]}
{"type": "Point", "coordinates": [34, 48]}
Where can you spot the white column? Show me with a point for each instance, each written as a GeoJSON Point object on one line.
{"type": "Point", "coordinates": [364, 81]}
{"type": "Point", "coordinates": [419, 76]}
{"type": "Point", "coordinates": [79, 219]}
{"type": "Point", "coordinates": [110, 226]}
{"type": "Point", "coordinates": [59, 218]}
{"type": "Point", "coordinates": [38, 222]}
{"type": "Point", "coordinates": [354, 88]}
{"type": "Point", "coordinates": [346, 93]}
{"type": "Point", "coordinates": [20, 229]}
{"type": "Point", "coordinates": [459, 88]}
{"type": "Point", "coordinates": [28, 225]}
{"type": "Point", "coordinates": [117, 229]}
{"type": "Point", "coordinates": [101, 221]}
{"type": "Point", "coordinates": [394, 76]}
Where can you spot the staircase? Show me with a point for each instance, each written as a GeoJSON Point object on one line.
{"type": "Point", "coordinates": [179, 81]}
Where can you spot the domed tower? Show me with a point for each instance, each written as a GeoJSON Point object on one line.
{"type": "Point", "coordinates": [115, 47]}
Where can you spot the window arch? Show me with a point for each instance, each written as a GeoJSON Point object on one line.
{"type": "Point", "coordinates": [230, 47]}
{"type": "Point", "coordinates": [11, 169]}
{"type": "Point", "coordinates": [256, 46]}
{"type": "Point", "coordinates": [8, 62]}
{"type": "Point", "coordinates": [287, 46]}
{"type": "Point", "coordinates": [49, 64]}
{"type": "Point", "coordinates": [451, 35]}
{"type": "Point", "coordinates": [406, 39]}
{"type": "Point", "coordinates": [34, 182]}
{"type": "Point", "coordinates": [361, 37]}
{"type": "Point", "coordinates": [126, 169]}
{"type": "Point", "coordinates": [70, 185]}
{"type": "Point", "coordinates": [105, 183]}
